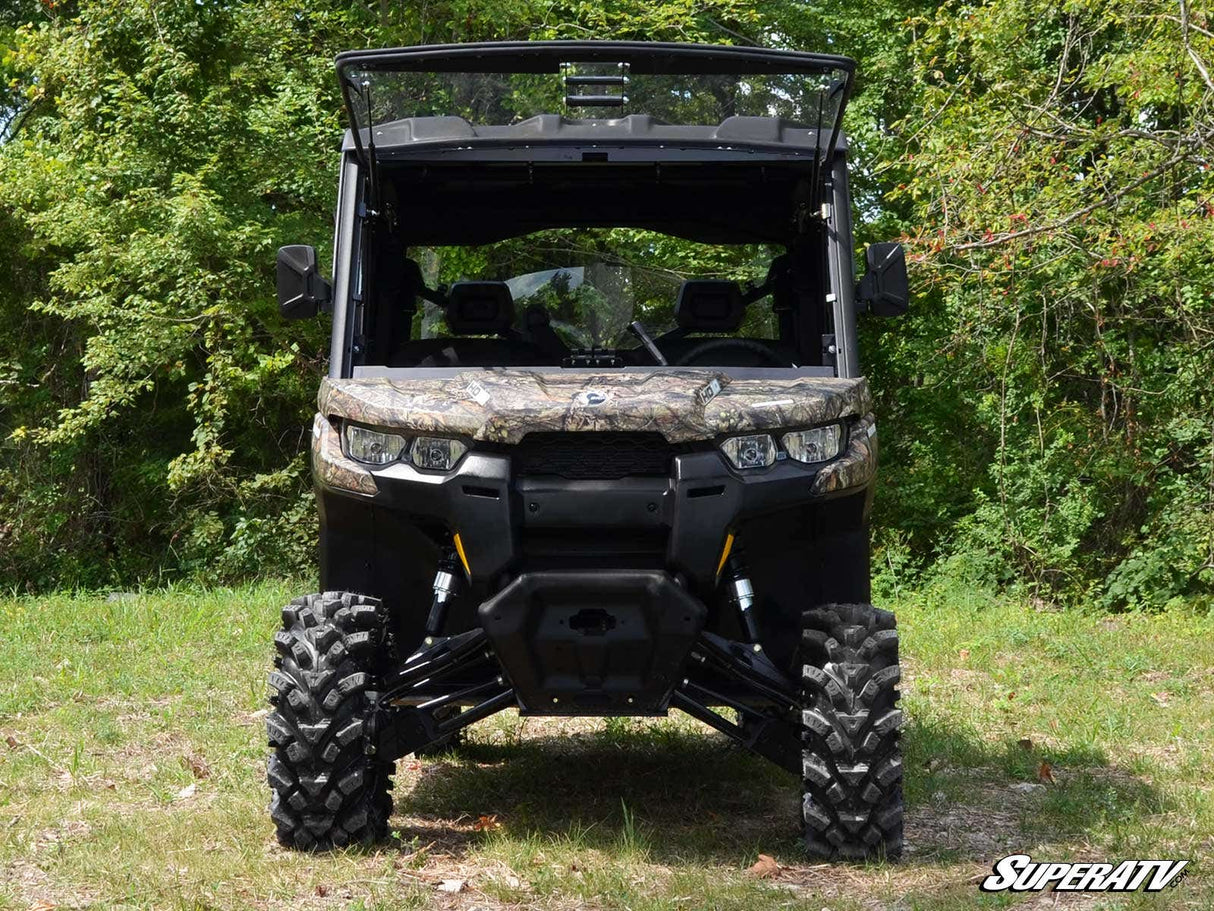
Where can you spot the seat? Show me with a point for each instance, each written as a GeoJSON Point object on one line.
{"type": "Point", "coordinates": [479, 308]}
{"type": "Point", "coordinates": [709, 305]}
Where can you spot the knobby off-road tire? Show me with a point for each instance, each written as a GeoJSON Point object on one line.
{"type": "Point", "coordinates": [326, 791]}
{"type": "Point", "coordinates": [851, 756]}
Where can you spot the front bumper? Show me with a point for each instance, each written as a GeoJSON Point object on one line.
{"type": "Point", "coordinates": [691, 511]}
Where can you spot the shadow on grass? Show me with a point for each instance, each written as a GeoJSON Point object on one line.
{"type": "Point", "coordinates": [974, 799]}
{"type": "Point", "coordinates": [694, 797]}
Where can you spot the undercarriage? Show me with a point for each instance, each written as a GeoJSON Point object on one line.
{"type": "Point", "coordinates": [413, 709]}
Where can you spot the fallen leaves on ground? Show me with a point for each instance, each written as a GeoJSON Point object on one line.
{"type": "Point", "coordinates": [765, 867]}
{"type": "Point", "coordinates": [1045, 772]}
{"type": "Point", "coordinates": [487, 823]}
{"type": "Point", "coordinates": [197, 765]}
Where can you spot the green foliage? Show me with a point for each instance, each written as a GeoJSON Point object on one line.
{"type": "Point", "coordinates": [173, 151]}
{"type": "Point", "coordinates": [1046, 410]}
{"type": "Point", "coordinates": [153, 407]}
{"type": "Point", "coordinates": [1057, 184]}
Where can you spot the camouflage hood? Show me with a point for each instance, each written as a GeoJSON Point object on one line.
{"type": "Point", "coordinates": [503, 405]}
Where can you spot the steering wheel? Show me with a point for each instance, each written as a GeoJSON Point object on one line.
{"type": "Point", "coordinates": [740, 344]}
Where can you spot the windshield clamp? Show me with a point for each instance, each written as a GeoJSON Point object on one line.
{"type": "Point", "coordinates": [595, 85]}
{"type": "Point", "coordinates": [830, 349]}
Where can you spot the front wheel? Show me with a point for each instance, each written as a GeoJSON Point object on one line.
{"type": "Point", "coordinates": [326, 791]}
{"type": "Point", "coordinates": [851, 755]}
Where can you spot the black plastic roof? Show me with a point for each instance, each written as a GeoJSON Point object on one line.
{"type": "Point", "coordinates": [543, 56]}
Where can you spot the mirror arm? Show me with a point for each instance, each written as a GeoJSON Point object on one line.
{"type": "Point", "coordinates": [864, 293]}
{"type": "Point", "coordinates": [302, 290]}
{"type": "Point", "coordinates": [322, 292]}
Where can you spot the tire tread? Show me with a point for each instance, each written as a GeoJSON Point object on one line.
{"type": "Point", "coordinates": [326, 791]}
{"type": "Point", "coordinates": [851, 729]}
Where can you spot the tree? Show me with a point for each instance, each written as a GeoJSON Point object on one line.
{"type": "Point", "coordinates": [156, 406]}
{"type": "Point", "coordinates": [1058, 171]}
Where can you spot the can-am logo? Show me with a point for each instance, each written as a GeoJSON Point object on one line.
{"type": "Point", "coordinates": [590, 398]}
{"type": "Point", "coordinates": [1020, 873]}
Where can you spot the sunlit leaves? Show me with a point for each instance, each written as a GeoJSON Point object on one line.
{"type": "Point", "coordinates": [1059, 169]}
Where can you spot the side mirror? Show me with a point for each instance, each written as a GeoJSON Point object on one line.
{"type": "Point", "coordinates": [302, 290]}
{"type": "Point", "coordinates": [884, 290]}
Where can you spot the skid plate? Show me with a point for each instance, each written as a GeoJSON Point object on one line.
{"type": "Point", "coordinates": [593, 643]}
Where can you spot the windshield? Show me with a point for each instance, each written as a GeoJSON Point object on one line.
{"type": "Point", "coordinates": [505, 84]}
{"type": "Point", "coordinates": [590, 284]}
{"type": "Point", "coordinates": [560, 296]}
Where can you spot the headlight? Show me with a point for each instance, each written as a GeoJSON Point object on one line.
{"type": "Point", "coordinates": [437, 453]}
{"type": "Point", "coordinates": [821, 444]}
{"type": "Point", "coordinates": [371, 447]}
{"type": "Point", "coordinates": [756, 451]}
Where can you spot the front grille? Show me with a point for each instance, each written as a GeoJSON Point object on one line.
{"type": "Point", "coordinates": [594, 456]}
{"type": "Point", "coordinates": [593, 547]}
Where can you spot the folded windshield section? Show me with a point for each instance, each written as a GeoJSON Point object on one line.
{"type": "Point", "coordinates": [494, 93]}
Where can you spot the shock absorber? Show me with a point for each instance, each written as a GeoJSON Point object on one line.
{"type": "Point", "coordinates": [446, 587]}
{"type": "Point", "coordinates": [742, 594]}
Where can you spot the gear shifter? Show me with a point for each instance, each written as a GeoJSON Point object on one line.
{"type": "Point", "coordinates": [639, 331]}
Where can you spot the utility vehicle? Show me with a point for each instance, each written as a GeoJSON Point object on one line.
{"type": "Point", "coordinates": [595, 438]}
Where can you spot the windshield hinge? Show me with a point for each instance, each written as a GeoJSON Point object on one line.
{"type": "Point", "coordinates": [592, 358]}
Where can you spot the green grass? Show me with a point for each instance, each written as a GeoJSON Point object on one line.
{"type": "Point", "coordinates": [110, 709]}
